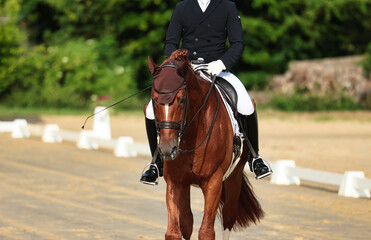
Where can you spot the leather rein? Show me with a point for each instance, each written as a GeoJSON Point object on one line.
{"type": "Point", "coordinates": [182, 127]}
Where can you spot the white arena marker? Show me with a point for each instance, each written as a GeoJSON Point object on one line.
{"type": "Point", "coordinates": [280, 174]}
{"type": "Point", "coordinates": [124, 147]}
{"type": "Point", "coordinates": [20, 129]}
{"type": "Point", "coordinates": [348, 187]}
{"type": "Point", "coordinates": [101, 124]}
{"type": "Point", "coordinates": [84, 141]}
{"type": "Point", "coordinates": [50, 135]}
{"type": "Point", "coordinates": [226, 234]}
{"type": "Point", "coordinates": [6, 126]}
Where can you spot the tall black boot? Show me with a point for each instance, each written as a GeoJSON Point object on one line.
{"type": "Point", "coordinates": [151, 175]}
{"type": "Point", "coordinates": [249, 124]}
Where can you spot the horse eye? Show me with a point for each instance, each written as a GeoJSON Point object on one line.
{"type": "Point", "coordinates": [182, 100]}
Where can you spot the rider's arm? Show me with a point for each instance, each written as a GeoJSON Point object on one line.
{"type": "Point", "coordinates": [235, 36]}
{"type": "Point", "coordinates": [174, 33]}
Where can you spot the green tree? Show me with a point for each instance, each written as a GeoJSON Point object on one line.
{"type": "Point", "coordinates": [125, 32]}
{"type": "Point", "coordinates": [10, 43]}
{"type": "Point", "coordinates": [277, 32]}
{"type": "Point", "coordinates": [137, 27]}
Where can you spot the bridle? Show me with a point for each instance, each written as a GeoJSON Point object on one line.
{"type": "Point", "coordinates": [182, 127]}
{"type": "Point", "coordinates": [171, 124]}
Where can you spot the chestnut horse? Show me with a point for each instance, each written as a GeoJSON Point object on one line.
{"type": "Point", "coordinates": [196, 141]}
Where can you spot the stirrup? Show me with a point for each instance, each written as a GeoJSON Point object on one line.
{"type": "Point", "coordinates": [158, 175]}
{"type": "Point", "coordinates": [270, 171]}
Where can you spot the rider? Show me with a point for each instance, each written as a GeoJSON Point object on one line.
{"type": "Point", "coordinates": [204, 26]}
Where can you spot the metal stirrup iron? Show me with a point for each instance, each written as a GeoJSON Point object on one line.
{"type": "Point", "coordinates": [158, 174]}
{"type": "Point", "coordinates": [152, 163]}
{"type": "Point", "coordinates": [270, 171]}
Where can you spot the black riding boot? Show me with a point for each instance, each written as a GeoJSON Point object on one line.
{"type": "Point", "coordinates": [250, 127]}
{"type": "Point", "coordinates": [150, 176]}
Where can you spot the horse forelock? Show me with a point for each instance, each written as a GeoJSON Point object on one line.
{"type": "Point", "coordinates": [168, 78]}
{"type": "Point", "coordinates": [178, 55]}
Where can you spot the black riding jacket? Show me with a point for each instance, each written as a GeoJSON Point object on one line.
{"type": "Point", "coordinates": [204, 34]}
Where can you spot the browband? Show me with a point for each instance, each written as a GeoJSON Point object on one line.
{"type": "Point", "coordinates": [170, 64]}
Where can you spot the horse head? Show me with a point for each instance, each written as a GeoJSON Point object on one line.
{"type": "Point", "coordinates": [170, 103]}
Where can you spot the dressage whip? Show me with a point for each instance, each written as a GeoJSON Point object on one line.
{"type": "Point", "coordinates": [83, 126]}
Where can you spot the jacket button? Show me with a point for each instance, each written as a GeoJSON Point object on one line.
{"type": "Point", "coordinates": [194, 53]}
{"type": "Point", "coordinates": [209, 25]}
{"type": "Point", "coordinates": [196, 39]}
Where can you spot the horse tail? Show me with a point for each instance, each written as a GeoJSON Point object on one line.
{"type": "Point", "coordinates": [249, 209]}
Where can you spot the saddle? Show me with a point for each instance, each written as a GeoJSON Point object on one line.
{"type": "Point", "coordinates": [226, 89]}
{"type": "Point", "coordinates": [228, 92]}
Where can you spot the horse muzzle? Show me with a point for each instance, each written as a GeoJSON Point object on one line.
{"type": "Point", "coordinates": [168, 150]}
{"type": "Point", "coordinates": [169, 139]}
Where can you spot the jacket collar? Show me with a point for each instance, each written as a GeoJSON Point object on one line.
{"type": "Point", "coordinates": [203, 15]}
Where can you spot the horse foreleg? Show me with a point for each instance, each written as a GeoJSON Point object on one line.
{"type": "Point", "coordinates": [186, 216]}
{"type": "Point", "coordinates": [180, 218]}
{"type": "Point", "coordinates": [212, 191]}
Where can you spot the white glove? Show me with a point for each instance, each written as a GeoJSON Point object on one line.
{"type": "Point", "coordinates": [216, 67]}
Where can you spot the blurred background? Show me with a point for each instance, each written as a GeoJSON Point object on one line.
{"type": "Point", "coordinates": [74, 54]}
{"type": "Point", "coordinates": [307, 63]}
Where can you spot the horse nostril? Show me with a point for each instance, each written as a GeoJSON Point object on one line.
{"type": "Point", "coordinates": [174, 152]}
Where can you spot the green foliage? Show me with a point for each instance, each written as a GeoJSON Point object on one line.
{"type": "Point", "coordinates": [10, 43]}
{"type": "Point", "coordinates": [67, 75]}
{"type": "Point", "coordinates": [138, 27]}
{"type": "Point", "coordinates": [313, 102]}
{"type": "Point", "coordinates": [277, 32]}
{"type": "Point", "coordinates": [77, 50]}
{"type": "Point", "coordinates": [255, 80]}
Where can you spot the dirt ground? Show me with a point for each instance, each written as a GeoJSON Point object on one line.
{"type": "Point", "coordinates": [329, 141]}
{"type": "Point", "coordinates": [56, 191]}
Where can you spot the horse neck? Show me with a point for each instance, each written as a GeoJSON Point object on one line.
{"type": "Point", "coordinates": [197, 91]}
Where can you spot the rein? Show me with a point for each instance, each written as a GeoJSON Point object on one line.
{"type": "Point", "coordinates": [213, 77]}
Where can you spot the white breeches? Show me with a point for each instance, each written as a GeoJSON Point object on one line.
{"type": "Point", "coordinates": [244, 103]}
{"type": "Point", "coordinates": [149, 111]}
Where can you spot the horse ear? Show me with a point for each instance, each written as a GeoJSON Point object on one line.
{"type": "Point", "coordinates": [183, 70]}
{"type": "Point", "coordinates": [152, 65]}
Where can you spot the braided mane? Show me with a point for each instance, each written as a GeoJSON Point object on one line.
{"type": "Point", "coordinates": [178, 55]}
